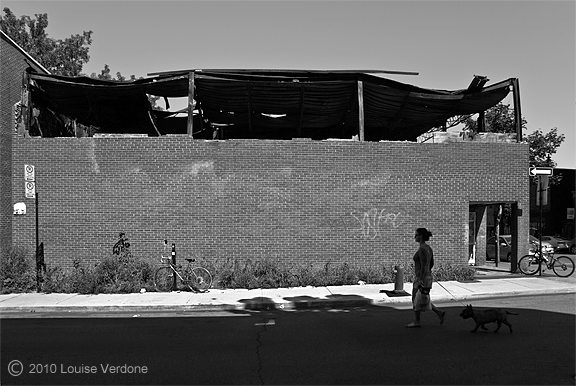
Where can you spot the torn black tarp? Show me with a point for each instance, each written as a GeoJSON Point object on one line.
{"type": "Point", "coordinates": [267, 104]}
{"type": "Point", "coordinates": [113, 107]}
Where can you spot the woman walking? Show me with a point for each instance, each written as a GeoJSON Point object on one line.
{"type": "Point", "coordinates": [423, 263]}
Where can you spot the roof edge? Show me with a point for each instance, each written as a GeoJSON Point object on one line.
{"type": "Point", "coordinates": [286, 71]}
{"type": "Point", "coordinates": [15, 45]}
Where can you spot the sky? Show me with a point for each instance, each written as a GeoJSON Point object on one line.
{"type": "Point", "coordinates": [446, 42]}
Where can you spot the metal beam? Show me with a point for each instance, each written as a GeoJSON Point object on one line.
{"type": "Point", "coordinates": [250, 130]}
{"type": "Point", "coordinates": [517, 109]}
{"type": "Point", "coordinates": [190, 104]}
{"type": "Point", "coordinates": [361, 134]}
{"type": "Point", "coordinates": [287, 71]}
{"type": "Point", "coordinates": [301, 108]}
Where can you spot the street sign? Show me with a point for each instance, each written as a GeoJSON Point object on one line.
{"type": "Point", "coordinates": [541, 171]}
{"type": "Point", "coordinates": [30, 189]}
{"type": "Point", "coordinates": [29, 173]}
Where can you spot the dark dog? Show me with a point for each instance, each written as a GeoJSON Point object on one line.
{"type": "Point", "coordinates": [495, 315]}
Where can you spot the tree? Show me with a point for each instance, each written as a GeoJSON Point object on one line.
{"type": "Point", "coordinates": [497, 119]}
{"type": "Point", "coordinates": [542, 146]}
{"type": "Point", "coordinates": [500, 119]}
{"type": "Point", "coordinates": [105, 75]}
{"type": "Point", "coordinates": [60, 57]}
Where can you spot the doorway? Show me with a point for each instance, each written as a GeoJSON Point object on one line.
{"type": "Point", "coordinates": [493, 234]}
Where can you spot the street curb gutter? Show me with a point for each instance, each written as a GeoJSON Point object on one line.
{"type": "Point", "coordinates": [267, 305]}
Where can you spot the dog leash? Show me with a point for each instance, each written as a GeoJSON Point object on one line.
{"type": "Point", "coordinates": [437, 282]}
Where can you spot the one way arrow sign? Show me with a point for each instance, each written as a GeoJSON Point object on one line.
{"type": "Point", "coordinates": [541, 171]}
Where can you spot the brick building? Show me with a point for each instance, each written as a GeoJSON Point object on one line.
{"type": "Point", "coordinates": [297, 199]}
{"type": "Point", "coordinates": [313, 201]}
{"type": "Point", "coordinates": [13, 62]}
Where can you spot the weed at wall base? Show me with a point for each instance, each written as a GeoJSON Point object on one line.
{"type": "Point", "coordinates": [128, 274]}
{"type": "Point", "coordinates": [17, 271]}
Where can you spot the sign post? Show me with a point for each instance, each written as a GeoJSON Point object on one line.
{"type": "Point", "coordinates": [30, 192]}
{"type": "Point", "coordinates": [543, 174]}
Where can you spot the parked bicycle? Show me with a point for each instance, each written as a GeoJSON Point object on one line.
{"type": "Point", "coordinates": [166, 278]}
{"type": "Point", "coordinates": [531, 264]}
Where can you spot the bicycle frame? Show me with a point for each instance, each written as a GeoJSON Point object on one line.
{"type": "Point", "coordinates": [562, 266]}
{"type": "Point", "coordinates": [173, 267]}
{"type": "Point", "coordinates": [198, 279]}
{"type": "Point", "coordinates": [543, 257]}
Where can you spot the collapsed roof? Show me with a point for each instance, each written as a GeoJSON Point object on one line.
{"type": "Point", "coordinates": [265, 104]}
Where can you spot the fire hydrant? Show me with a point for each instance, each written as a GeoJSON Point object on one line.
{"type": "Point", "coordinates": [399, 280]}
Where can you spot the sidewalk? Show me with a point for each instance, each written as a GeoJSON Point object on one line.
{"type": "Point", "coordinates": [488, 284]}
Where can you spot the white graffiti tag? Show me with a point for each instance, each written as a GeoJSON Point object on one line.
{"type": "Point", "coordinates": [372, 221]}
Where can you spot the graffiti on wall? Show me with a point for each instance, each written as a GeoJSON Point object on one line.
{"type": "Point", "coordinates": [371, 223]}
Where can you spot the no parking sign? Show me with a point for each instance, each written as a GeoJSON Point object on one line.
{"type": "Point", "coordinates": [29, 173]}
{"type": "Point", "coordinates": [30, 189]}
{"type": "Point", "coordinates": [30, 181]}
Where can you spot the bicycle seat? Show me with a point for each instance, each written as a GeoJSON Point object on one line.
{"type": "Point", "coordinates": [189, 259]}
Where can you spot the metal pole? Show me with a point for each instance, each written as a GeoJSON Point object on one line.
{"type": "Point", "coordinates": [37, 239]}
{"type": "Point", "coordinates": [174, 288]}
{"type": "Point", "coordinates": [540, 227]}
{"type": "Point", "coordinates": [514, 231]}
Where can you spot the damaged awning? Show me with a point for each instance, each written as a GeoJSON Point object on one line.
{"type": "Point", "coordinates": [113, 107]}
{"type": "Point", "coordinates": [268, 104]}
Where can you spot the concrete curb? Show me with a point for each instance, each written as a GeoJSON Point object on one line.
{"type": "Point", "coordinates": [265, 304]}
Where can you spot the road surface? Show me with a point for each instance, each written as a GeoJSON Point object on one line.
{"type": "Point", "coordinates": [366, 345]}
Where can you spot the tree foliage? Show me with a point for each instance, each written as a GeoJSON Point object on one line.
{"type": "Point", "coordinates": [497, 119]}
{"type": "Point", "coordinates": [542, 146]}
{"type": "Point", "coordinates": [61, 57]}
{"type": "Point", "coordinates": [500, 119]}
{"type": "Point", "coordinates": [105, 75]}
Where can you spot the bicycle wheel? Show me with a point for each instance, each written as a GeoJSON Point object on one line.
{"type": "Point", "coordinates": [563, 266]}
{"type": "Point", "coordinates": [199, 279]}
{"type": "Point", "coordinates": [528, 265]}
{"type": "Point", "coordinates": [164, 279]}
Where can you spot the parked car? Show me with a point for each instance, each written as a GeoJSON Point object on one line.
{"type": "Point", "coordinates": [572, 246]}
{"type": "Point", "coordinates": [505, 248]}
{"type": "Point", "coordinates": [559, 244]}
{"type": "Point", "coordinates": [546, 246]}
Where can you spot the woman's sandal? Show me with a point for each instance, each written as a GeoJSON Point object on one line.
{"type": "Point", "coordinates": [413, 325]}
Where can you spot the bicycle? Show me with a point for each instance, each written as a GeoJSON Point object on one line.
{"type": "Point", "coordinates": [531, 264]}
{"type": "Point", "coordinates": [198, 279]}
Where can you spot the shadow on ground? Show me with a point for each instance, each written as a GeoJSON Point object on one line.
{"type": "Point", "coordinates": [306, 302]}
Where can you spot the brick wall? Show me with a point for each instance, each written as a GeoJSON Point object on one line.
{"type": "Point", "coordinates": [11, 67]}
{"type": "Point", "coordinates": [7, 95]}
{"type": "Point", "coordinates": [305, 201]}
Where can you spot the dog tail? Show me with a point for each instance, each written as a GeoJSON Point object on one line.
{"type": "Point", "coordinates": [510, 313]}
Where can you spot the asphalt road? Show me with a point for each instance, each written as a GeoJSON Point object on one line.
{"type": "Point", "coordinates": [367, 345]}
